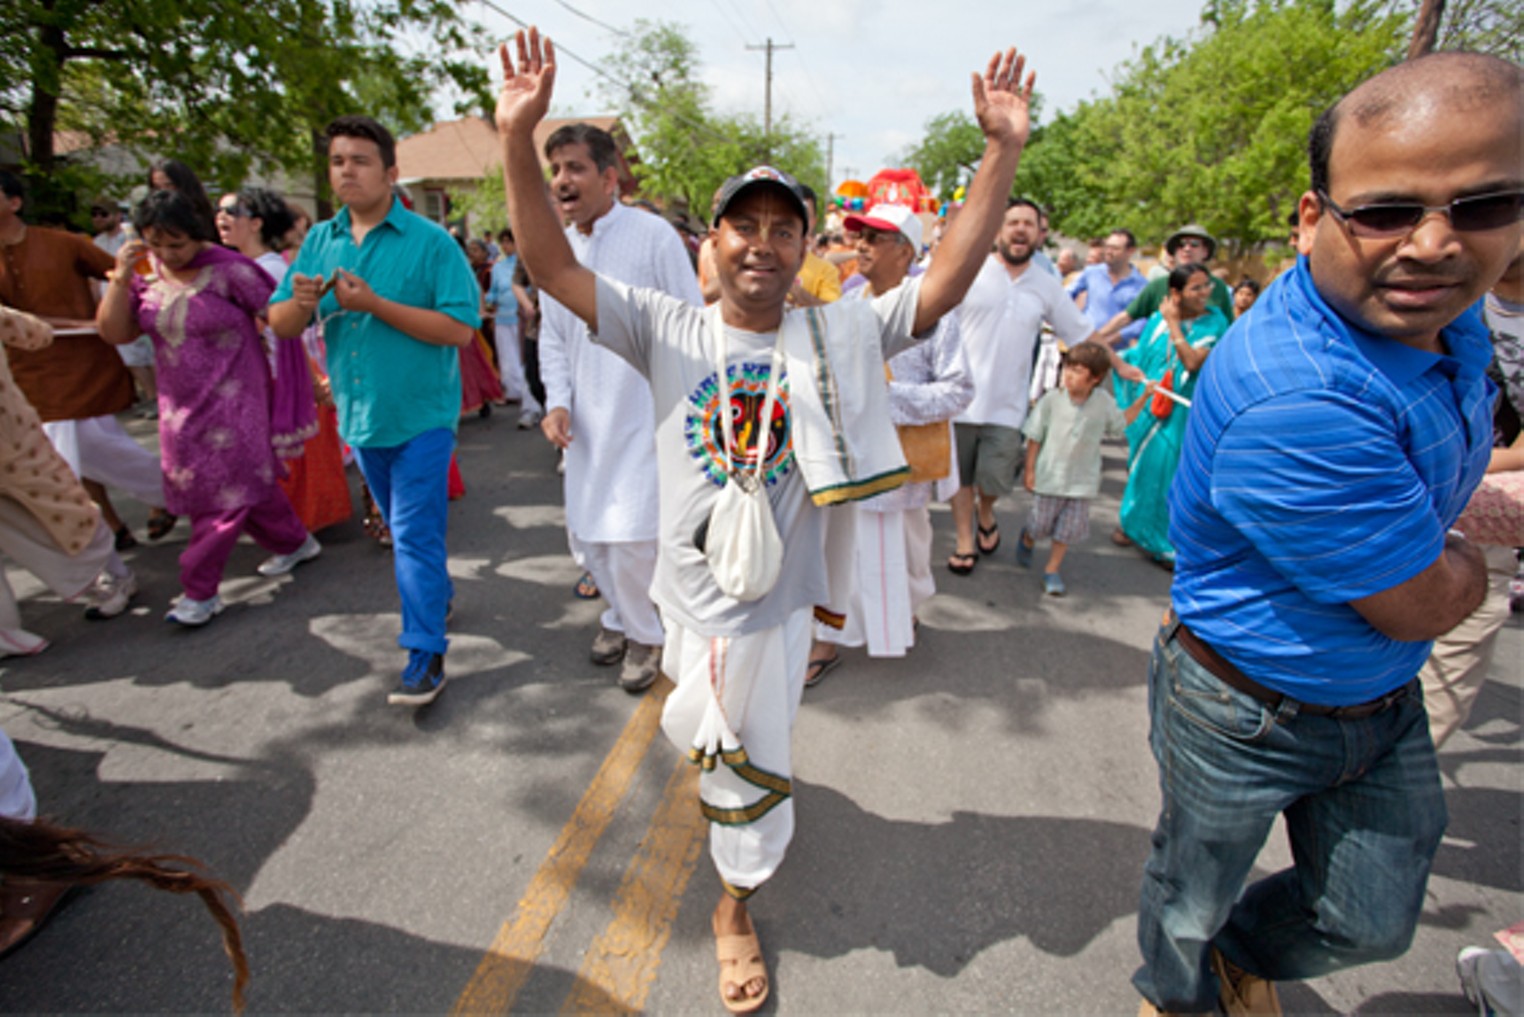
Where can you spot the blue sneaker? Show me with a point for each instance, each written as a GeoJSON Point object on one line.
{"type": "Point", "coordinates": [1053, 584]}
{"type": "Point", "coordinates": [421, 681]}
{"type": "Point", "coordinates": [1024, 550]}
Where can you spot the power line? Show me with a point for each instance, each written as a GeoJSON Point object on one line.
{"type": "Point", "coordinates": [588, 17]}
{"type": "Point", "coordinates": [625, 86]}
{"type": "Point", "coordinates": [729, 21]}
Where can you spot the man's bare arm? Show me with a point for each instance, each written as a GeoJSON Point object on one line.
{"type": "Point", "coordinates": [1434, 601]}
{"type": "Point", "coordinates": [521, 105]}
{"type": "Point", "coordinates": [1001, 105]}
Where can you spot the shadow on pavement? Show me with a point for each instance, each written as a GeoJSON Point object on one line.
{"type": "Point", "coordinates": [937, 894]}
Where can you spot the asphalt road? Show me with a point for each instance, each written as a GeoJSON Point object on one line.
{"type": "Point", "coordinates": [972, 819]}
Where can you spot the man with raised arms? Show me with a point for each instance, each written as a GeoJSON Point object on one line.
{"type": "Point", "coordinates": [739, 665]}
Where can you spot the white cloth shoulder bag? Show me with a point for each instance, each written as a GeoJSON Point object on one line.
{"type": "Point", "coordinates": [742, 545]}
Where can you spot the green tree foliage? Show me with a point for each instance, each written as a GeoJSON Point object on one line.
{"type": "Point", "coordinates": [1211, 128]}
{"type": "Point", "coordinates": [686, 148]}
{"type": "Point", "coordinates": [947, 154]}
{"type": "Point", "coordinates": [1487, 26]}
{"type": "Point", "coordinates": [223, 84]}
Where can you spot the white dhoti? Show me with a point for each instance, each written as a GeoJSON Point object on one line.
{"type": "Point", "coordinates": [875, 584]}
{"type": "Point", "coordinates": [623, 571]}
{"type": "Point", "coordinates": [100, 449]}
{"type": "Point", "coordinates": [510, 364]}
{"type": "Point", "coordinates": [733, 713]}
{"type": "Point", "coordinates": [17, 801]}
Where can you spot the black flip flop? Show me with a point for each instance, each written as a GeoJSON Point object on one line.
{"type": "Point", "coordinates": [962, 564]}
{"type": "Point", "coordinates": [979, 541]}
{"type": "Point", "coordinates": [818, 669]}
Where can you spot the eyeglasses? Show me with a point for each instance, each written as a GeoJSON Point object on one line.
{"type": "Point", "coordinates": [876, 237]}
{"type": "Point", "coordinates": [1192, 242]}
{"type": "Point", "coordinates": [1399, 218]}
{"type": "Point", "coordinates": [233, 211]}
{"type": "Point", "coordinates": [99, 213]}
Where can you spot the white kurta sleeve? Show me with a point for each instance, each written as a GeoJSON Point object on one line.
{"type": "Point", "coordinates": [557, 326]}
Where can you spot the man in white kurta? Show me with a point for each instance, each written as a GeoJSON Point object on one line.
{"type": "Point", "coordinates": [599, 408]}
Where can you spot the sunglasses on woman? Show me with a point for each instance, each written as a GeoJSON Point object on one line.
{"type": "Point", "coordinates": [1397, 218]}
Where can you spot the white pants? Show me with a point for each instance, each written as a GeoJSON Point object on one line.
{"type": "Point", "coordinates": [510, 365]}
{"type": "Point", "coordinates": [1456, 669]}
{"type": "Point", "coordinates": [17, 801]}
{"type": "Point", "coordinates": [880, 607]}
{"type": "Point", "coordinates": [623, 572]}
{"type": "Point", "coordinates": [28, 543]}
{"type": "Point", "coordinates": [100, 449]}
{"type": "Point", "coordinates": [734, 707]}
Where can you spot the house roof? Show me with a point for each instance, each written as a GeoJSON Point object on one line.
{"type": "Point", "coordinates": [467, 149]}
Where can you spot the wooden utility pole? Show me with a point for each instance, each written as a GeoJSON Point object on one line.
{"type": "Point", "coordinates": [831, 156]}
{"type": "Point", "coordinates": [1426, 28]}
{"type": "Point", "coordinates": [767, 107]}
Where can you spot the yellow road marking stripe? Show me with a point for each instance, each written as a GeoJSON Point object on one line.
{"type": "Point", "coordinates": [620, 966]}
{"type": "Point", "coordinates": [510, 959]}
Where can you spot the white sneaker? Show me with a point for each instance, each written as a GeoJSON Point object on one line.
{"type": "Point", "coordinates": [109, 595]}
{"type": "Point", "coordinates": [280, 564]}
{"type": "Point", "coordinates": [530, 417]}
{"type": "Point", "coordinates": [194, 613]}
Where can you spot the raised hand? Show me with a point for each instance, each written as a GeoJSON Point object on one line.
{"type": "Point", "coordinates": [525, 96]}
{"type": "Point", "coordinates": [1002, 100]}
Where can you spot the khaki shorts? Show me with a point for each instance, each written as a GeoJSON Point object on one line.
{"type": "Point", "coordinates": [989, 456]}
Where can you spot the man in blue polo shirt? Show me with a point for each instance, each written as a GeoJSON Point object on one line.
{"type": "Point", "coordinates": [1337, 433]}
{"type": "Point", "coordinates": [397, 297]}
{"type": "Point", "coordinates": [1111, 285]}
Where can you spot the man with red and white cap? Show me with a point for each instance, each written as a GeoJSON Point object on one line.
{"type": "Point", "coordinates": [1001, 319]}
{"type": "Point", "coordinates": [878, 551]}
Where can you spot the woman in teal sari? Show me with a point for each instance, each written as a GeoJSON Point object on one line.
{"type": "Point", "coordinates": [1170, 353]}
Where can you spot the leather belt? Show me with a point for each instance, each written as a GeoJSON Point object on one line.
{"type": "Point", "coordinates": [1224, 671]}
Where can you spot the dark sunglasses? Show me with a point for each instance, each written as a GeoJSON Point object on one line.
{"type": "Point", "coordinates": [1398, 218]}
{"type": "Point", "coordinates": [234, 211]}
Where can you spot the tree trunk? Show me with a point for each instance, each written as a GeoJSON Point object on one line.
{"type": "Point", "coordinates": [320, 177]}
{"type": "Point", "coordinates": [42, 115]}
{"type": "Point", "coordinates": [1426, 28]}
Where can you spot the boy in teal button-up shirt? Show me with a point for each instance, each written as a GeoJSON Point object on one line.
{"type": "Point", "coordinates": [397, 298]}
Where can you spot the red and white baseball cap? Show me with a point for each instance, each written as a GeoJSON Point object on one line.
{"type": "Point", "coordinates": [889, 219]}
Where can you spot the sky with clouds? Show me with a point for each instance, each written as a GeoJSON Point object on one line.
{"type": "Point", "coordinates": [871, 72]}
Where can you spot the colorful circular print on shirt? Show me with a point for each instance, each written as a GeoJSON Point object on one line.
{"type": "Point", "coordinates": [705, 433]}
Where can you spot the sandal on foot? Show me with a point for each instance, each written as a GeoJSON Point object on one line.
{"type": "Point", "coordinates": [818, 669]}
{"type": "Point", "coordinates": [160, 523]}
{"type": "Point", "coordinates": [741, 961]}
{"type": "Point", "coordinates": [586, 588]}
{"type": "Point", "coordinates": [1120, 539]}
{"type": "Point", "coordinates": [992, 531]}
{"type": "Point", "coordinates": [25, 907]}
{"type": "Point", "coordinates": [124, 541]}
{"type": "Point", "coordinates": [962, 564]}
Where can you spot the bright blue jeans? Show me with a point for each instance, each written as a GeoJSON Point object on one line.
{"type": "Point", "coordinates": [1364, 810]}
{"type": "Point", "coordinates": [410, 483]}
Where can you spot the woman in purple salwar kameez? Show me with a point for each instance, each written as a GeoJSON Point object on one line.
{"type": "Point", "coordinates": [199, 303]}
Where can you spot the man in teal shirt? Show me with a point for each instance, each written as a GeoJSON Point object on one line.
{"type": "Point", "coordinates": [396, 298]}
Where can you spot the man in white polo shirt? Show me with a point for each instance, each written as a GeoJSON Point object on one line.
{"type": "Point", "coordinates": [1000, 321]}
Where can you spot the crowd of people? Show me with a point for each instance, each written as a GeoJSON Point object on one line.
{"type": "Point", "coordinates": [752, 436]}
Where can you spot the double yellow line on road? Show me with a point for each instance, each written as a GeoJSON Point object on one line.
{"type": "Point", "coordinates": [620, 965]}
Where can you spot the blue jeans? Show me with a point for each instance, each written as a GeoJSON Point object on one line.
{"type": "Point", "coordinates": [1364, 811]}
{"type": "Point", "coordinates": [410, 483]}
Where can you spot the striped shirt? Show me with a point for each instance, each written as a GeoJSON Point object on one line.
{"type": "Point", "coordinates": [1322, 464]}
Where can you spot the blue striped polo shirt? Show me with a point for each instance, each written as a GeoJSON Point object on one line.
{"type": "Point", "coordinates": [1322, 464]}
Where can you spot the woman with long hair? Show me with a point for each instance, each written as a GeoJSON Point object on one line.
{"type": "Point", "coordinates": [201, 305]}
{"type": "Point", "coordinates": [1170, 352]}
